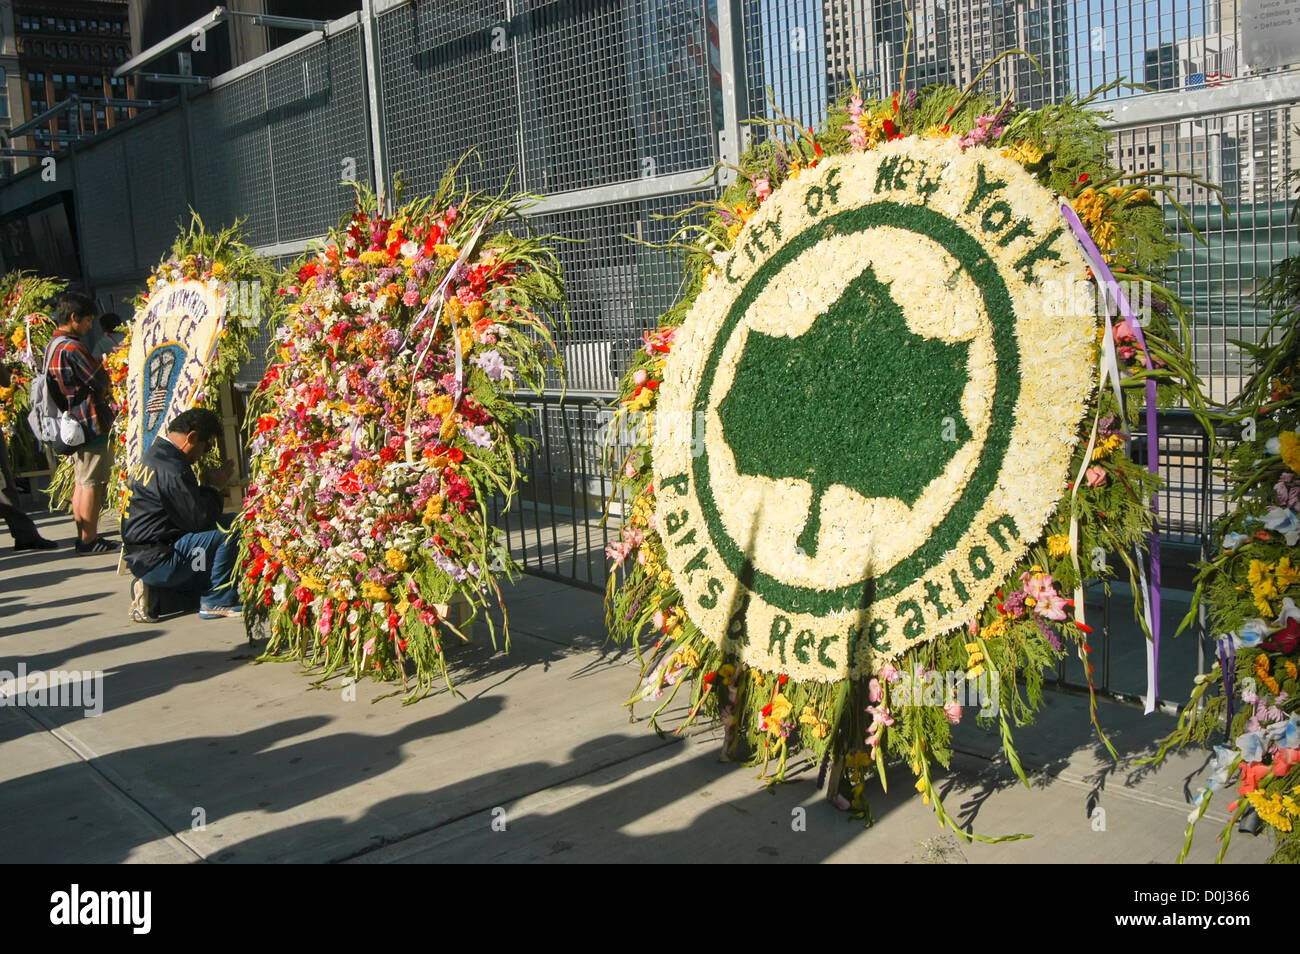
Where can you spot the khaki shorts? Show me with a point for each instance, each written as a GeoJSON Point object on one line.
{"type": "Point", "coordinates": [93, 466]}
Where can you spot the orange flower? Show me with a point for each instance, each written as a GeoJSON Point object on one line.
{"type": "Point", "coordinates": [1251, 774]}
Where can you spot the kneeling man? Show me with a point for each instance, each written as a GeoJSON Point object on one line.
{"type": "Point", "coordinates": [170, 522]}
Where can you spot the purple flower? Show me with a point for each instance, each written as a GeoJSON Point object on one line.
{"type": "Point", "coordinates": [493, 364]}
{"type": "Point", "coordinates": [478, 436]}
{"type": "Point", "coordinates": [445, 563]}
{"type": "Point", "coordinates": [1015, 604]}
{"type": "Point", "coordinates": [1049, 633]}
{"type": "Point", "coordinates": [1288, 492]}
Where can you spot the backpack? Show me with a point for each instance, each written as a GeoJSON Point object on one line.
{"type": "Point", "coordinates": [49, 417]}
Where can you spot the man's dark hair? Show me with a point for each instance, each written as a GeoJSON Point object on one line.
{"type": "Point", "coordinates": [74, 305]}
{"type": "Point", "coordinates": [207, 423]}
{"type": "Point", "coordinates": [109, 321]}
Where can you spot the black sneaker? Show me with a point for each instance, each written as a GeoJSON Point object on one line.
{"type": "Point", "coordinates": [39, 543]}
{"type": "Point", "coordinates": [98, 545]}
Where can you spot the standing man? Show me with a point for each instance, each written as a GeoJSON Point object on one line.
{"type": "Point", "coordinates": [169, 522]}
{"type": "Point", "coordinates": [84, 387]}
{"type": "Point", "coordinates": [21, 527]}
{"type": "Point", "coordinates": [110, 338]}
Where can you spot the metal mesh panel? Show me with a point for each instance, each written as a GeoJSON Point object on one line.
{"type": "Point", "coordinates": [447, 79]}
{"type": "Point", "coordinates": [615, 90]}
{"type": "Point", "coordinates": [250, 373]}
{"type": "Point", "coordinates": [317, 124]}
{"type": "Point", "coordinates": [107, 229]}
{"type": "Point", "coordinates": [808, 53]}
{"type": "Point", "coordinates": [617, 288]}
{"type": "Point", "coordinates": [1249, 156]}
{"type": "Point", "coordinates": [156, 181]}
{"type": "Point", "coordinates": [232, 158]}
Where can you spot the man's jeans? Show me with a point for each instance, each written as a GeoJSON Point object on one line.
{"type": "Point", "coordinates": [204, 561]}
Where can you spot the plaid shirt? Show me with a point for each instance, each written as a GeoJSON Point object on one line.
{"type": "Point", "coordinates": [72, 369]}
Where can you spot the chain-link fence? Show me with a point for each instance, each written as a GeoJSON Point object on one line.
{"type": "Point", "coordinates": [617, 114]}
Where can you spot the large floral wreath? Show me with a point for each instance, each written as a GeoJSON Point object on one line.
{"type": "Point", "coordinates": [774, 253]}
{"type": "Point", "coordinates": [1252, 586]}
{"type": "Point", "coordinates": [25, 331]}
{"type": "Point", "coordinates": [220, 260]}
{"type": "Point", "coordinates": [384, 428]}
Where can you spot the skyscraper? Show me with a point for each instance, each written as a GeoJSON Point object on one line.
{"type": "Point", "coordinates": [948, 41]}
{"type": "Point", "coordinates": [66, 48]}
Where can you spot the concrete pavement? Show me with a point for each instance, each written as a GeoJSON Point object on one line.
{"type": "Point", "coordinates": [202, 755]}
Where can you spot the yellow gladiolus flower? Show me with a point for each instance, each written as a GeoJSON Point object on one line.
{"type": "Point", "coordinates": [1058, 545]}
{"type": "Point", "coordinates": [1285, 575]}
{"type": "Point", "coordinates": [1290, 442]}
{"type": "Point", "coordinates": [439, 406]}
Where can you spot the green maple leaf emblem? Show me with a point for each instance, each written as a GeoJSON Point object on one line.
{"type": "Point", "coordinates": [857, 400]}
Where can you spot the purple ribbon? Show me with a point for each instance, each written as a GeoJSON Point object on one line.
{"type": "Point", "coordinates": [1228, 665]}
{"type": "Point", "coordinates": [1153, 451]}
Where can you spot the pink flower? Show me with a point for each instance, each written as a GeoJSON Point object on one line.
{"type": "Point", "coordinates": [411, 299]}
{"type": "Point", "coordinates": [952, 711]}
{"type": "Point", "coordinates": [659, 619]}
{"type": "Point", "coordinates": [889, 673]}
{"type": "Point", "coordinates": [1124, 332]}
{"type": "Point", "coordinates": [618, 550]}
{"type": "Point", "coordinates": [762, 188]}
{"type": "Point", "coordinates": [638, 377]}
{"type": "Point", "coordinates": [1095, 475]}
{"type": "Point", "coordinates": [874, 689]}
{"type": "Point", "coordinates": [857, 138]}
{"type": "Point", "coordinates": [1047, 602]}
{"type": "Point", "coordinates": [629, 471]}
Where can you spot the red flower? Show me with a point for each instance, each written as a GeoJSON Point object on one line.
{"type": "Point", "coordinates": [350, 483]}
{"type": "Point", "coordinates": [1083, 178]}
{"type": "Point", "coordinates": [455, 455]}
{"type": "Point", "coordinates": [1285, 640]}
{"type": "Point", "coordinates": [266, 422]}
{"type": "Point", "coordinates": [387, 455]}
{"type": "Point", "coordinates": [1252, 773]}
{"type": "Point", "coordinates": [1283, 759]}
{"type": "Point", "coordinates": [782, 679]}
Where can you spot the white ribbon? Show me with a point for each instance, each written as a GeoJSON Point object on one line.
{"type": "Point", "coordinates": [1109, 370]}
{"type": "Point", "coordinates": [439, 297]}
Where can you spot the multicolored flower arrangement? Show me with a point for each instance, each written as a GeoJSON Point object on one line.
{"type": "Point", "coordinates": [26, 328]}
{"type": "Point", "coordinates": [220, 260]}
{"type": "Point", "coordinates": [858, 724]}
{"type": "Point", "coordinates": [383, 429]}
{"type": "Point", "coordinates": [1250, 699]}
